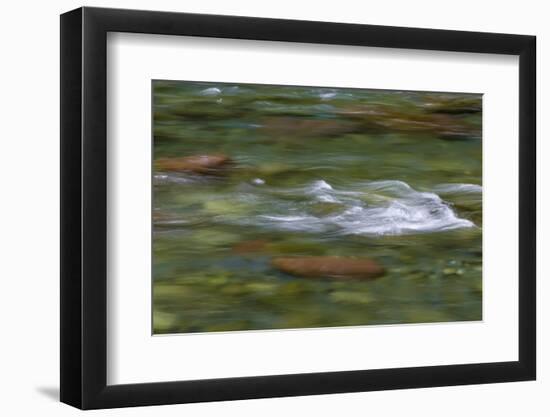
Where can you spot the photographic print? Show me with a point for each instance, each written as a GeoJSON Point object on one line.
{"type": "Point", "coordinates": [292, 207]}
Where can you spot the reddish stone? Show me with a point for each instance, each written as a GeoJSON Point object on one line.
{"type": "Point", "coordinates": [250, 246]}
{"type": "Point", "coordinates": [329, 266]}
{"type": "Point", "coordinates": [200, 164]}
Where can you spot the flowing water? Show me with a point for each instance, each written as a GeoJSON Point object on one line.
{"type": "Point", "coordinates": [386, 175]}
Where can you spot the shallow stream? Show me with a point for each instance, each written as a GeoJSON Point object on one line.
{"type": "Point", "coordinates": [390, 176]}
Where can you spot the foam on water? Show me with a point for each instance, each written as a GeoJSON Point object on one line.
{"type": "Point", "coordinates": [387, 207]}
{"type": "Point", "coordinates": [458, 188]}
{"type": "Point", "coordinates": [371, 208]}
{"type": "Point", "coordinates": [327, 95]}
{"type": "Point", "coordinates": [212, 91]}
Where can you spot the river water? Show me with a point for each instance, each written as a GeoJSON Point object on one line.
{"type": "Point", "coordinates": [386, 175]}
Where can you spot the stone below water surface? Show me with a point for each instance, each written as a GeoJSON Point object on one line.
{"type": "Point", "coordinates": [199, 164]}
{"type": "Point", "coordinates": [250, 246]}
{"type": "Point", "coordinates": [329, 266]}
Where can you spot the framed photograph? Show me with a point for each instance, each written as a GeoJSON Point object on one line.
{"type": "Point", "coordinates": [258, 208]}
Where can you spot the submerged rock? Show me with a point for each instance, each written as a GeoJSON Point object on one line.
{"type": "Point", "coordinates": [250, 246]}
{"type": "Point", "coordinates": [199, 164]}
{"type": "Point", "coordinates": [300, 127]}
{"type": "Point", "coordinates": [326, 208]}
{"type": "Point", "coordinates": [329, 266]}
{"type": "Point", "coordinates": [452, 105]}
{"type": "Point", "coordinates": [441, 122]}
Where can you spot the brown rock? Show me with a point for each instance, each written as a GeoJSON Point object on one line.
{"type": "Point", "coordinates": [159, 216]}
{"type": "Point", "coordinates": [461, 105]}
{"type": "Point", "coordinates": [250, 246]}
{"type": "Point", "coordinates": [200, 164]}
{"type": "Point", "coordinates": [295, 126]}
{"type": "Point", "coordinates": [383, 118]}
{"type": "Point", "coordinates": [329, 266]}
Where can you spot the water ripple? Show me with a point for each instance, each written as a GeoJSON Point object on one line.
{"type": "Point", "coordinates": [371, 208]}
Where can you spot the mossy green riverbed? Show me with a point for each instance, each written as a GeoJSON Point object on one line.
{"type": "Point", "coordinates": [394, 177]}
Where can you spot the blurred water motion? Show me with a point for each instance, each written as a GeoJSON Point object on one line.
{"type": "Point", "coordinates": [292, 207]}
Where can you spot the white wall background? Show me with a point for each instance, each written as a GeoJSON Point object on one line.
{"type": "Point", "coordinates": [29, 175]}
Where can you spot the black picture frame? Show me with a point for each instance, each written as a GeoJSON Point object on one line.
{"type": "Point", "coordinates": [84, 207]}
